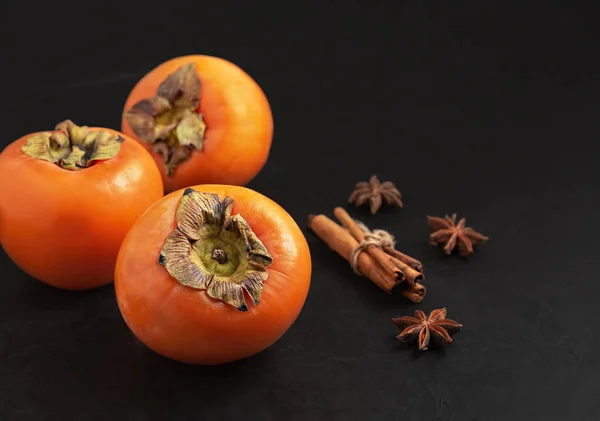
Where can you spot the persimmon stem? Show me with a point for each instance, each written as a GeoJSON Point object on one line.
{"type": "Point", "coordinates": [170, 120]}
{"type": "Point", "coordinates": [219, 255]}
{"type": "Point", "coordinates": [73, 147]}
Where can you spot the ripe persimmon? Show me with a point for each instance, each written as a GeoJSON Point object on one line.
{"type": "Point", "coordinates": [203, 119]}
{"type": "Point", "coordinates": [212, 274]}
{"type": "Point", "coordinates": [67, 199]}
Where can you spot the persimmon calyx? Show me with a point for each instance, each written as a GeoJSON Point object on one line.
{"type": "Point", "coordinates": [212, 250]}
{"type": "Point", "coordinates": [169, 120]}
{"type": "Point", "coordinates": [73, 147]}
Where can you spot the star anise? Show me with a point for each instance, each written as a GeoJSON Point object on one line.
{"type": "Point", "coordinates": [446, 231]}
{"type": "Point", "coordinates": [375, 193]}
{"type": "Point", "coordinates": [434, 329]}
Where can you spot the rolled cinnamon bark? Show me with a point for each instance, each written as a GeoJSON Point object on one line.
{"type": "Point", "coordinates": [408, 274]}
{"type": "Point", "coordinates": [412, 262]}
{"type": "Point", "coordinates": [342, 242]}
{"type": "Point", "coordinates": [391, 264]}
{"type": "Point", "coordinates": [359, 235]}
{"type": "Point", "coordinates": [414, 292]}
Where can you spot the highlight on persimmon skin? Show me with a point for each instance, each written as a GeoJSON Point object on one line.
{"type": "Point", "coordinates": [67, 199]}
{"type": "Point", "coordinates": [212, 274]}
{"type": "Point", "coordinates": [203, 119]}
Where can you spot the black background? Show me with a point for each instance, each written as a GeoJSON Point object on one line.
{"type": "Point", "coordinates": [486, 109]}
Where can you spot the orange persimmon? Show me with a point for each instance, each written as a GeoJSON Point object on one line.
{"type": "Point", "coordinates": [212, 274]}
{"type": "Point", "coordinates": [203, 119]}
{"type": "Point", "coordinates": [67, 199]}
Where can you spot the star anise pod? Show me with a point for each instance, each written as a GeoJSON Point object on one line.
{"type": "Point", "coordinates": [446, 231]}
{"type": "Point", "coordinates": [434, 329]}
{"type": "Point", "coordinates": [375, 193]}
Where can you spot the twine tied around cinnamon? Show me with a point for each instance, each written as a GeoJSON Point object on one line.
{"type": "Point", "coordinates": [378, 238]}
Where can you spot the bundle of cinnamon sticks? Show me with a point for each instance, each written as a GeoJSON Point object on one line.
{"type": "Point", "coordinates": [382, 264]}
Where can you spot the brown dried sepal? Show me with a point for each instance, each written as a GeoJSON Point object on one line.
{"type": "Point", "coordinates": [142, 116]}
{"type": "Point", "coordinates": [182, 87]}
{"type": "Point", "coordinates": [73, 147]}
{"type": "Point", "coordinates": [212, 250]}
{"type": "Point", "coordinates": [170, 119]}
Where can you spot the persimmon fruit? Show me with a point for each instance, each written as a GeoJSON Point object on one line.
{"type": "Point", "coordinates": [203, 119]}
{"type": "Point", "coordinates": [212, 274]}
{"type": "Point", "coordinates": [67, 199]}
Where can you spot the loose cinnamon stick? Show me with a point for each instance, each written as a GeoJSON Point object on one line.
{"type": "Point", "coordinates": [376, 253]}
{"type": "Point", "coordinates": [338, 239]}
{"type": "Point", "coordinates": [389, 263]}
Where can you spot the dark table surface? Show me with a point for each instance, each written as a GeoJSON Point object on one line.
{"type": "Point", "coordinates": [486, 109]}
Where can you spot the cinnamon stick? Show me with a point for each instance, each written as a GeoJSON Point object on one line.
{"type": "Point", "coordinates": [389, 263]}
{"type": "Point", "coordinates": [340, 240]}
{"type": "Point", "coordinates": [376, 253]}
{"type": "Point", "coordinates": [414, 292]}
{"type": "Point", "coordinates": [408, 274]}
{"type": "Point", "coordinates": [412, 262]}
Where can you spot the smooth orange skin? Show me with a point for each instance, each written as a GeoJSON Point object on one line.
{"type": "Point", "coordinates": [184, 323]}
{"type": "Point", "coordinates": [239, 124]}
{"type": "Point", "coordinates": [65, 228]}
